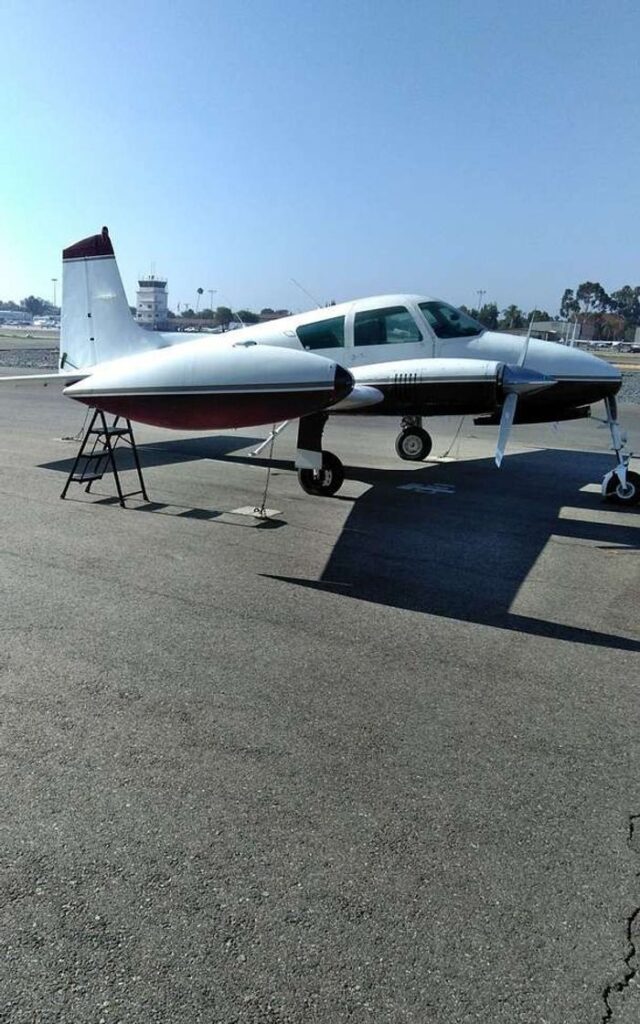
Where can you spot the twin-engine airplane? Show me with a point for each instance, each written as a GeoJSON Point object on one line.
{"type": "Point", "coordinates": [391, 355]}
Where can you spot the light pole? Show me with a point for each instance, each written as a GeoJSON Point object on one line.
{"type": "Point", "coordinates": [54, 281]}
{"type": "Point", "coordinates": [212, 292]}
{"type": "Point", "coordinates": [481, 292]}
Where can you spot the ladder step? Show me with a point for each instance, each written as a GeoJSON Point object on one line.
{"type": "Point", "coordinates": [85, 478]}
{"type": "Point", "coordinates": [110, 431]}
{"type": "Point", "coordinates": [104, 454]}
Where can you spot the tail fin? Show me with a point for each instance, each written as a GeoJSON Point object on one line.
{"type": "Point", "coordinates": [96, 320]}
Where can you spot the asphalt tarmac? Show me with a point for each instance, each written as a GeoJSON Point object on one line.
{"type": "Point", "coordinates": [376, 760]}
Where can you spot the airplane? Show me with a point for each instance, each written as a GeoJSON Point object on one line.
{"type": "Point", "coordinates": [399, 355]}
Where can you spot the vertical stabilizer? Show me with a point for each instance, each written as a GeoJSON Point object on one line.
{"type": "Point", "coordinates": [97, 324]}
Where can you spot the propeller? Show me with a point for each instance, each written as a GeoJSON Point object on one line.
{"type": "Point", "coordinates": [523, 354]}
{"type": "Point", "coordinates": [506, 422]}
{"type": "Point", "coordinates": [516, 380]}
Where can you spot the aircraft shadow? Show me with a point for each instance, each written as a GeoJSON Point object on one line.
{"type": "Point", "coordinates": [464, 549]}
{"type": "Point", "coordinates": [167, 453]}
{"type": "Point", "coordinates": [455, 539]}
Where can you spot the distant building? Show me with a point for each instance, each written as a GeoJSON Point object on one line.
{"type": "Point", "coordinates": [151, 302]}
{"type": "Point", "coordinates": [15, 316]}
{"type": "Point", "coordinates": [551, 330]}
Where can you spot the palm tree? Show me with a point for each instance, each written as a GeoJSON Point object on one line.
{"type": "Point", "coordinates": [200, 292]}
{"type": "Point", "coordinates": [512, 317]}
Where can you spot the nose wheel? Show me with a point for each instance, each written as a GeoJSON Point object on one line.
{"type": "Point", "coordinates": [627, 493]}
{"type": "Point", "coordinates": [621, 485]}
{"type": "Point", "coordinates": [413, 444]}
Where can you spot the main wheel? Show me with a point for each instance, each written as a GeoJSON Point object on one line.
{"type": "Point", "coordinates": [326, 481]}
{"type": "Point", "coordinates": [628, 495]}
{"type": "Point", "coordinates": [413, 444]}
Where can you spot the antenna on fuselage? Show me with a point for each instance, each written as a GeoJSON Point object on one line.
{"type": "Point", "coordinates": [307, 293]}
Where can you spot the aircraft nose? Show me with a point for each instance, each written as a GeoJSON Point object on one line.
{"type": "Point", "coordinates": [596, 371]}
{"type": "Point", "coordinates": [581, 376]}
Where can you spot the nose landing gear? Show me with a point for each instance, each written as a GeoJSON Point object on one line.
{"type": "Point", "coordinates": [413, 444]}
{"type": "Point", "coordinates": [621, 485]}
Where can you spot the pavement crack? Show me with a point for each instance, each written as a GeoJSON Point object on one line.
{"type": "Point", "coordinates": [630, 964]}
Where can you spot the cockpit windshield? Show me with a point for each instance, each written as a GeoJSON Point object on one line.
{"type": "Point", "coordinates": [448, 322]}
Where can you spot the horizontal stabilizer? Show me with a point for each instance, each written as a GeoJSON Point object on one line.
{"type": "Point", "coordinates": [63, 379]}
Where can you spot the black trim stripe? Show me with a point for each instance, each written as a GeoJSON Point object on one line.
{"type": "Point", "coordinates": [228, 389]}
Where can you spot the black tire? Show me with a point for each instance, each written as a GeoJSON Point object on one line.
{"type": "Point", "coordinates": [325, 481]}
{"type": "Point", "coordinates": [630, 495]}
{"type": "Point", "coordinates": [413, 444]}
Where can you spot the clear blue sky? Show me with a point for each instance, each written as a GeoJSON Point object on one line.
{"type": "Point", "coordinates": [357, 145]}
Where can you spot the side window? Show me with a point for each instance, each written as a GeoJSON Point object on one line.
{"type": "Point", "coordinates": [324, 334]}
{"type": "Point", "coordinates": [391, 326]}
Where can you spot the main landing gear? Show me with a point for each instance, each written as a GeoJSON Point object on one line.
{"type": "Point", "coordinates": [321, 472]}
{"type": "Point", "coordinates": [621, 485]}
{"type": "Point", "coordinates": [327, 480]}
{"type": "Point", "coordinates": [413, 443]}
{"type": "Point", "coordinates": [327, 475]}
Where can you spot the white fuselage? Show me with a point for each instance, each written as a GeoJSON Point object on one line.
{"type": "Point", "coordinates": [406, 339]}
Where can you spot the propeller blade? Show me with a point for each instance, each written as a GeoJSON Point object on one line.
{"type": "Point", "coordinates": [506, 420]}
{"type": "Point", "coordinates": [523, 354]}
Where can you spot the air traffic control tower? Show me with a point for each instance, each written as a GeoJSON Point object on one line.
{"type": "Point", "coordinates": [151, 304]}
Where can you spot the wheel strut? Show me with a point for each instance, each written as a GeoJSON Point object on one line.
{"type": "Point", "coordinates": [620, 484]}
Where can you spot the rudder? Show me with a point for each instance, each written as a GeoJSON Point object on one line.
{"type": "Point", "coordinates": [96, 322]}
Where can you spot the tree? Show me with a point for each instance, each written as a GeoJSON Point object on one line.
{"type": "Point", "coordinates": [568, 305]}
{"type": "Point", "coordinates": [35, 305]}
{"type": "Point", "coordinates": [189, 313]}
{"type": "Point", "coordinates": [200, 292]}
{"type": "Point", "coordinates": [488, 316]}
{"type": "Point", "coordinates": [626, 303]}
{"type": "Point", "coordinates": [247, 317]}
{"type": "Point", "coordinates": [537, 315]}
{"type": "Point", "coordinates": [206, 314]}
{"type": "Point", "coordinates": [608, 326]}
{"type": "Point", "coordinates": [591, 297]}
{"type": "Point", "coordinates": [512, 318]}
{"type": "Point", "coordinates": [223, 317]}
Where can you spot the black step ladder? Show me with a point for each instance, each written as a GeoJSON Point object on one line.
{"type": "Point", "coordinates": [97, 455]}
